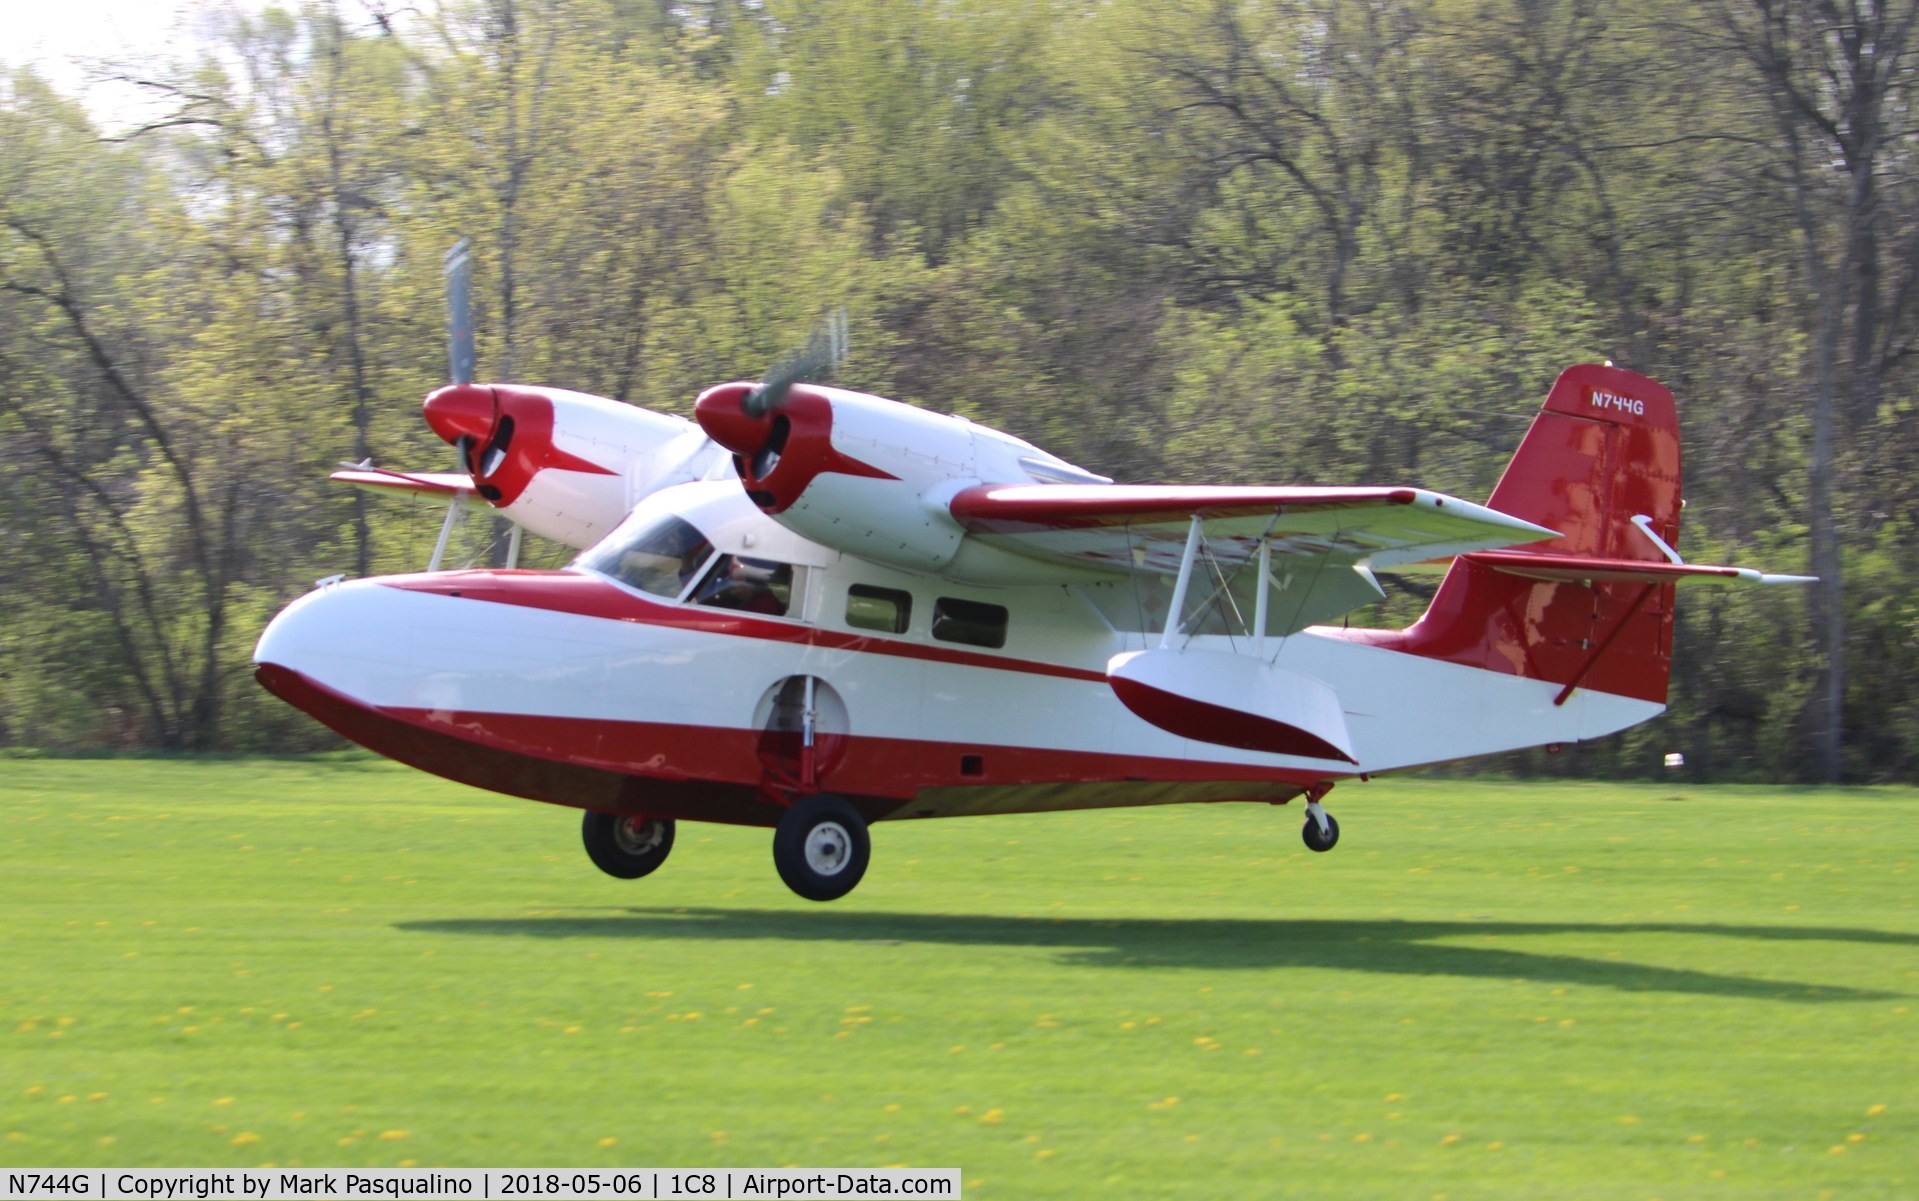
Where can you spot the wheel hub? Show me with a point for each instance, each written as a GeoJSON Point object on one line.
{"type": "Point", "coordinates": [828, 847]}
{"type": "Point", "coordinates": [638, 835]}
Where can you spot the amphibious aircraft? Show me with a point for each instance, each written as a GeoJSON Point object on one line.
{"type": "Point", "coordinates": [812, 609]}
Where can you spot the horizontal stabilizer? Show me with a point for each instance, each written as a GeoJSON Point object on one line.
{"type": "Point", "coordinates": [1594, 569]}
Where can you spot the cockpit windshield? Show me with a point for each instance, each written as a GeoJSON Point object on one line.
{"type": "Point", "coordinates": [661, 557]}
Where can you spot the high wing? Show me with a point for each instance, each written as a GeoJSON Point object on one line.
{"type": "Point", "coordinates": [1322, 542]}
{"type": "Point", "coordinates": [1144, 527]}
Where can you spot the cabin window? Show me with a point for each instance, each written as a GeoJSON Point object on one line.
{"type": "Point", "coordinates": [971, 622]}
{"type": "Point", "coordinates": [887, 610]}
{"type": "Point", "coordinates": [661, 557]}
{"type": "Point", "coordinates": [748, 585]}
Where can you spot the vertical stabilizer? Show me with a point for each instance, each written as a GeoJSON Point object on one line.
{"type": "Point", "coordinates": [1603, 451]}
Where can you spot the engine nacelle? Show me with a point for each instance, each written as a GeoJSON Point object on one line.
{"type": "Point", "coordinates": [566, 465]}
{"type": "Point", "coordinates": [874, 477]}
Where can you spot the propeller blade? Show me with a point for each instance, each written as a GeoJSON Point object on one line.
{"type": "Point", "coordinates": [459, 316]}
{"type": "Point", "coordinates": [816, 360]}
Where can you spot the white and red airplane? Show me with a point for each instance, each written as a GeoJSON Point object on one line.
{"type": "Point", "coordinates": [816, 609]}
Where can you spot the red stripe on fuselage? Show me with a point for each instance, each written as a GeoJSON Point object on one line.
{"type": "Point", "coordinates": [590, 596]}
{"type": "Point", "coordinates": [713, 774]}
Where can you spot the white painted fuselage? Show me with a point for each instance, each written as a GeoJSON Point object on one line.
{"type": "Point", "coordinates": [640, 694]}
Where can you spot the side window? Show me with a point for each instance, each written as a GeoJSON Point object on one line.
{"type": "Point", "coordinates": [971, 622]}
{"type": "Point", "coordinates": [749, 585]}
{"type": "Point", "coordinates": [887, 610]}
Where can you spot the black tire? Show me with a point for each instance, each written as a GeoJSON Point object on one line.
{"type": "Point", "coordinates": [1315, 841]}
{"type": "Point", "coordinates": [820, 847]}
{"type": "Point", "coordinates": [626, 845]}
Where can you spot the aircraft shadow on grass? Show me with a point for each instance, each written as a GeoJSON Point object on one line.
{"type": "Point", "coordinates": [1409, 948]}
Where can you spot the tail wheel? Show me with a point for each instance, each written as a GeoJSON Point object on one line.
{"type": "Point", "coordinates": [820, 847]}
{"type": "Point", "coordinates": [626, 845]}
{"type": "Point", "coordinates": [1316, 838]}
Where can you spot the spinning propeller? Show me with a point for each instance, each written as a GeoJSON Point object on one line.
{"type": "Point", "coordinates": [821, 354]}
{"type": "Point", "coordinates": [464, 413]}
{"type": "Point", "coordinates": [757, 421]}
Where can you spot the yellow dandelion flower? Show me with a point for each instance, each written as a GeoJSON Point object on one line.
{"type": "Point", "coordinates": [571, 1030]}
{"type": "Point", "coordinates": [609, 1142]}
{"type": "Point", "coordinates": [1855, 1137]}
{"type": "Point", "coordinates": [96, 1096]}
{"type": "Point", "coordinates": [1362, 1138]}
{"type": "Point", "coordinates": [1043, 1153]}
{"type": "Point", "coordinates": [1836, 1149]}
{"type": "Point", "coordinates": [1495, 1145]}
{"type": "Point", "coordinates": [223, 1101]}
{"type": "Point", "coordinates": [1449, 1140]}
{"type": "Point", "coordinates": [1875, 1111]}
{"type": "Point", "coordinates": [245, 1138]}
{"type": "Point", "coordinates": [992, 1117]}
{"type": "Point", "coordinates": [1629, 1120]}
{"type": "Point", "coordinates": [392, 1136]}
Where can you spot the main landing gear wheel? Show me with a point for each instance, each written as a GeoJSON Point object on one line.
{"type": "Point", "coordinates": [820, 847]}
{"type": "Point", "coordinates": [626, 845]}
{"type": "Point", "coordinates": [1321, 832]}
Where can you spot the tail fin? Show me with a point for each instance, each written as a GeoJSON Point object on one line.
{"type": "Point", "coordinates": [1601, 465]}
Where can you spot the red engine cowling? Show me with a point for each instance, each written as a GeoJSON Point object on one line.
{"type": "Point", "coordinates": [563, 464]}
{"type": "Point", "coordinates": [865, 475]}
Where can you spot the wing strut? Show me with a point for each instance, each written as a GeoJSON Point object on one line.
{"type": "Point", "coordinates": [1175, 616]}
{"type": "Point", "coordinates": [446, 529]}
{"type": "Point", "coordinates": [1259, 606]}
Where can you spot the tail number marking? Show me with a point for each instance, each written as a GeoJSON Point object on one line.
{"type": "Point", "coordinates": [1623, 404]}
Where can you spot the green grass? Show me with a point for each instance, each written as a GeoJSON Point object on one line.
{"type": "Point", "coordinates": [1487, 991]}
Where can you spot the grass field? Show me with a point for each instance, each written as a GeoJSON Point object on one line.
{"type": "Point", "coordinates": [1487, 991]}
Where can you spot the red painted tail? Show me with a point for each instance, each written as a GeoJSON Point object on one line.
{"type": "Point", "coordinates": [1603, 451]}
